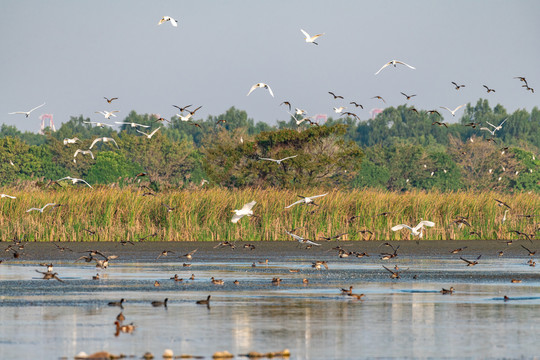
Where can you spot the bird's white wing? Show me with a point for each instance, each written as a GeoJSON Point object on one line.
{"type": "Point", "coordinates": [84, 181]}
{"type": "Point", "coordinates": [270, 90]}
{"type": "Point", "coordinates": [385, 65]}
{"type": "Point", "coordinates": [317, 196]}
{"type": "Point", "coordinates": [289, 157]}
{"type": "Point", "coordinates": [305, 33]}
{"type": "Point", "coordinates": [37, 107]}
{"type": "Point", "coordinates": [248, 206]}
{"type": "Point", "coordinates": [155, 131]}
{"type": "Point", "coordinates": [17, 112]}
{"type": "Point", "coordinates": [49, 204]}
{"type": "Point", "coordinates": [488, 130]}
{"type": "Point", "coordinates": [77, 152]}
{"type": "Point", "coordinates": [100, 112]}
{"type": "Point", "coordinates": [111, 139]}
{"type": "Point", "coordinates": [401, 226]}
{"type": "Point", "coordinates": [459, 107]}
{"type": "Point", "coordinates": [161, 21]}
{"type": "Point", "coordinates": [252, 88]}
{"type": "Point", "coordinates": [137, 130]}
{"type": "Point", "coordinates": [267, 159]}
{"type": "Point", "coordinates": [423, 223]}
{"type": "Point", "coordinates": [444, 107]}
{"type": "Point", "coordinates": [9, 196]}
{"type": "Point", "coordinates": [236, 217]}
{"type": "Point", "coordinates": [64, 178]}
{"type": "Point", "coordinates": [296, 237]}
{"type": "Point", "coordinates": [174, 22]}
{"type": "Point", "coordinates": [311, 242]}
{"type": "Point", "coordinates": [503, 122]}
{"type": "Point", "coordinates": [141, 125]}
{"type": "Point", "coordinates": [491, 124]}
{"type": "Point", "coordinates": [95, 141]}
{"type": "Point", "coordinates": [92, 155]}
{"type": "Point", "coordinates": [401, 62]}
{"type": "Point", "coordinates": [122, 122]}
{"type": "Point", "coordinates": [32, 209]}
{"type": "Point", "coordinates": [295, 203]}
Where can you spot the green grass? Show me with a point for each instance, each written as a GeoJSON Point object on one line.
{"type": "Point", "coordinates": [204, 214]}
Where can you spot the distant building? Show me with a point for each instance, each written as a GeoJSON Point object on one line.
{"type": "Point", "coordinates": [374, 112]}
{"type": "Point", "coordinates": [44, 117]}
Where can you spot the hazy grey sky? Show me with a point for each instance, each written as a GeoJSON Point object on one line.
{"type": "Point", "coordinates": [70, 54]}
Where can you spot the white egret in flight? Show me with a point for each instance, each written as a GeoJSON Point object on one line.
{"type": "Point", "coordinates": [244, 211]}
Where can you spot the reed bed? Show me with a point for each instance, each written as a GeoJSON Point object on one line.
{"type": "Point", "coordinates": [204, 214]}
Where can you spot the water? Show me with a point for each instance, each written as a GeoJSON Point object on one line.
{"type": "Point", "coordinates": [403, 318]}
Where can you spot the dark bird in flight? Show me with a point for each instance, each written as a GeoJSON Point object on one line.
{"type": "Point", "coordinates": [457, 86]}
{"type": "Point", "coordinates": [488, 89]}
{"type": "Point", "coordinates": [408, 96]}
{"type": "Point", "coordinates": [471, 263]}
{"type": "Point", "coordinates": [379, 97]}
{"type": "Point", "coordinates": [500, 203]}
{"type": "Point", "coordinates": [111, 99]}
{"type": "Point", "coordinates": [356, 104]}
{"type": "Point", "coordinates": [335, 96]}
{"type": "Point", "coordinates": [439, 123]}
{"type": "Point", "coordinates": [286, 103]}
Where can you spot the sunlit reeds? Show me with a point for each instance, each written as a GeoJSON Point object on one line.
{"type": "Point", "coordinates": [204, 214]}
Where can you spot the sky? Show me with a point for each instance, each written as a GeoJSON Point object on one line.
{"type": "Point", "coordinates": [71, 54]}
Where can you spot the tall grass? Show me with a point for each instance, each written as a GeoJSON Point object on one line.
{"type": "Point", "coordinates": [204, 214]}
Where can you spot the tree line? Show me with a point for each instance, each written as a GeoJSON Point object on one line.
{"type": "Point", "coordinates": [401, 148]}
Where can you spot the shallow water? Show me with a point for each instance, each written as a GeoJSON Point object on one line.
{"type": "Point", "coordinates": [398, 318]}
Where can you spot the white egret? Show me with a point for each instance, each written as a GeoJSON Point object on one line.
{"type": "Point", "coordinates": [306, 200]}
{"type": "Point", "coordinates": [309, 38]}
{"type": "Point", "coordinates": [104, 139]}
{"type": "Point", "coordinates": [71, 141]}
{"type": "Point", "coordinates": [43, 208]}
{"type": "Point", "coordinates": [26, 113]}
{"type": "Point", "coordinates": [261, 85]}
{"type": "Point", "coordinates": [302, 240]}
{"type": "Point", "coordinates": [339, 110]}
{"type": "Point", "coordinates": [99, 124]}
{"type": "Point", "coordinates": [107, 114]}
{"type": "Point", "coordinates": [132, 124]}
{"type": "Point", "coordinates": [244, 211]}
{"type": "Point", "coordinates": [278, 161]}
{"type": "Point", "coordinates": [149, 136]}
{"type": "Point", "coordinates": [74, 180]}
{"type": "Point", "coordinates": [168, 18]}
{"type": "Point", "coordinates": [492, 132]}
{"type": "Point", "coordinates": [499, 127]}
{"type": "Point", "coordinates": [394, 62]}
{"type": "Point", "coordinates": [84, 152]}
{"type": "Point", "coordinates": [417, 230]}
{"type": "Point", "coordinates": [453, 112]}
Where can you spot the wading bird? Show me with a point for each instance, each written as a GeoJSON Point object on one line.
{"type": "Point", "coordinates": [417, 230]}
{"type": "Point", "coordinates": [306, 200]}
{"type": "Point", "coordinates": [71, 141]}
{"type": "Point", "coordinates": [278, 161]}
{"type": "Point", "coordinates": [26, 113]}
{"type": "Point", "coordinates": [107, 114]}
{"type": "Point", "coordinates": [261, 85]}
{"type": "Point", "coordinates": [168, 18]}
{"type": "Point", "coordinates": [74, 180]}
{"type": "Point", "coordinates": [149, 136]}
{"type": "Point", "coordinates": [104, 139]}
{"type": "Point", "coordinates": [311, 39]}
{"type": "Point", "coordinates": [43, 208]}
{"type": "Point", "coordinates": [302, 240]}
{"type": "Point", "coordinates": [132, 124]}
{"type": "Point", "coordinates": [244, 211]}
{"type": "Point", "coordinates": [394, 62]}
{"type": "Point", "coordinates": [453, 112]}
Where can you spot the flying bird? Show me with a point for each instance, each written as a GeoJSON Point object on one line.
{"type": "Point", "coordinates": [8, 196]}
{"type": "Point", "coordinates": [278, 161]}
{"type": "Point", "coordinates": [439, 123]}
{"type": "Point", "coordinates": [356, 104]}
{"type": "Point", "coordinates": [104, 139]}
{"type": "Point", "coordinates": [408, 96]}
{"type": "Point", "coordinates": [286, 103]}
{"type": "Point", "coordinates": [71, 141]}
{"type": "Point", "coordinates": [168, 18]}
{"type": "Point", "coordinates": [380, 98]}
{"type": "Point", "coordinates": [107, 114]}
{"type": "Point", "coordinates": [471, 263]}
{"type": "Point", "coordinates": [261, 85]}
{"type": "Point", "coordinates": [246, 210]}
{"type": "Point", "coordinates": [311, 39]}
{"type": "Point", "coordinates": [453, 112]}
{"type": "Point", "coordinates": [111, 99]}
{"type": "Point", "coordinates": [339, 110]}
{"type": "Point", "coordinates": [457, 86]}
{"type": "Point", "coordinates": [132, 124]}
{"type": "Point", "coordinates": [98, 124]}
{"type": "Point", "coordinates": [302, 240]}
{"type": "Point", "coordinates": [488, 89]}
{"type": "Point", "coordinates": [74, 180]}
{"type": "Point", "coordinates": [41, 209]}
{"type": "Point", "coordinates": [335, 96]}
{"type": "Point", "coordinates": [149, 136]}
{"type": "Point", "coordinates": [305, 200]}
{"type": "Point", "coordinates": [26, 113]}
{"type": "Point", "coordinates": [84, 152]}
{"type": "Point", "coordinates": [417, 230]}
{"type": "Point", "coordinates": [394, 62]}
{"type": "Point", "coordinates": [499, 127]}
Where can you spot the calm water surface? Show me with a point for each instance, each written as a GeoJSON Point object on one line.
{"type": "Point", "coordinates": [403, 318]}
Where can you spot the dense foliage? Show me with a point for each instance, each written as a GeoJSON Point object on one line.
{"type": "Point", "coordinates": [400, 149]}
